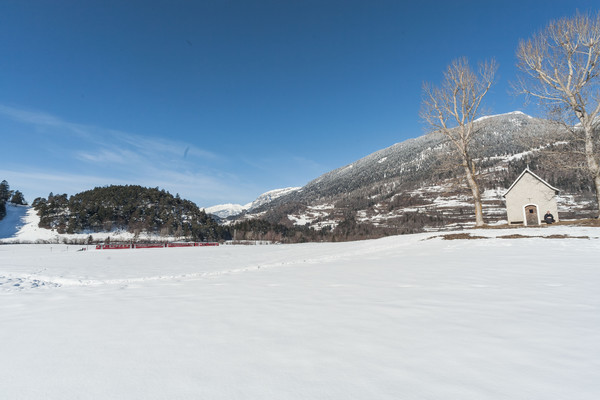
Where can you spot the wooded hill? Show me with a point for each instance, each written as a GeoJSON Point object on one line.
{"type": "Point", "coordinates": [130, 207]}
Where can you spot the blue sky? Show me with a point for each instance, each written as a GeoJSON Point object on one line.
{"type": "Point", "coordinates": [220, 101]}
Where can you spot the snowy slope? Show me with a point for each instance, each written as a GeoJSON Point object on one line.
{"type": "Point", "coordinates": [395, 318]}
{"type": "Point", "coordinates": [271, 195]}
{"type": "Point", "coordinates": [226, 210]}
{"type": "Point", "coordinates": [13, 221]}
{"type": "Point", "coordinates": [509, 114]}
{"type": "Point", "coordinates": [21, 225]}
{"type": "Point", "coordinates": [229, 210]}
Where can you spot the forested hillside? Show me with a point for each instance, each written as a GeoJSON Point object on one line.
{"type": "Point", "coordinates": [417, 184]}
{"type": "Point", "coordinates": [130, 207]}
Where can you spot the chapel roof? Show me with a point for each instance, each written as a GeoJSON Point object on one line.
{"type": "Point", "coordinates": [525, 171]}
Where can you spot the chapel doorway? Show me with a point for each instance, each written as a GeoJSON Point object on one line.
{"type": "Point", "coordinates": [531, 215]}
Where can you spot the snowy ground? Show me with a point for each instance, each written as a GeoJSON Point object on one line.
{"type": "Point", "coordinates": [395, 318]}
{"type": "Point", "coordinates": [21, 226]}
{"type": "Point", "coordinates": [13, 222]}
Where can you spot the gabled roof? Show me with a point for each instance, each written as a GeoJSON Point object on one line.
{"type": "Point", "coordinates": [526, 170]}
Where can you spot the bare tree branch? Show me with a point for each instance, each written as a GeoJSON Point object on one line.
{"type": "Point", "coordinates": [452, 109]}
{"type": "Point", "coordinates": [562, 64]}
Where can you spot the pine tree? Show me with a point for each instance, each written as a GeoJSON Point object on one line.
{"type": "Point", "coordinates": [18, 199]}
{"type": "Point", "coordinates": [5, 192]}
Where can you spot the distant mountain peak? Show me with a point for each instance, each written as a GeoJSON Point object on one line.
{"type": "Point", "coordinates": [512, 113]}
{"type": "Point", "coordinates": [226, 210]}
{"type": "Point", "coordinates": [271, 195]}
{"type": "Point", "coordinates": [230, 210]}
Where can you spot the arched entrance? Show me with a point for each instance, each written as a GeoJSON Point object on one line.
{"type": "Point", "coordinates": [531, 215]}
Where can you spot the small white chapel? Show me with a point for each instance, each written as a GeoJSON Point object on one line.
{"type": "Point", "coordinates": [529, 198]}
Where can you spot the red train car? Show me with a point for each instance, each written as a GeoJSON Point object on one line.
{"type": "Point", "coordinates": [113, 246]}
{"type": "Point", "coordinates": [154, 245]}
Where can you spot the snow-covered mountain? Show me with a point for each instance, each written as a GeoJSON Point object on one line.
{"type": "Point", "coordinates": [271, 195]}
{"type": "Point", "coordinates": [509, 115]}
{"type": "Point", "coordinates": [229, 210]}
{"type": "Point", "coordinates": [409, 182]}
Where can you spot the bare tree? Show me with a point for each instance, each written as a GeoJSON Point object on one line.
{"type": "Point", "coordinates": [560, 66]}
{"type": "Point", "coordinates": [452, 109]}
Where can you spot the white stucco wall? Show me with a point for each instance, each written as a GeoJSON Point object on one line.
{"type": "Point", "coordinates": [529, 190]}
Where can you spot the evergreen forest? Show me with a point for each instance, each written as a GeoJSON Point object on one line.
{"type": "Point", "coordinates": [127, 207]}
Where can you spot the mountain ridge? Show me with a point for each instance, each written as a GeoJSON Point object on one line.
{"type": "Point", "coordinates": [227, 210]}
{"type": "Point", "coordinates": [407, 187]}
{"type": "Point", "coordinates": [390, 185]}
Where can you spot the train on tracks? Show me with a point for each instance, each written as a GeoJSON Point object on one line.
{"type": "Point", "coordinates": [153, 245]}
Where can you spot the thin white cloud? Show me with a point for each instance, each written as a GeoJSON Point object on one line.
{"type": "Point", "coordinates": [104, 156]}
{"type": "Point", "coordinates": [110, 140]}
{"type": "Point", "coordinates": [45, 120]}
{"type": "Point", "coordinates": [202, 189]}
{"type": "Point", "coordinates": [45, 176]}
{"type": "Point", "coordinates": [30, 117]}
{"type": "Point", "coordinates": [121, 158]}
{"type": "Point", "coordinates": [173, 148]}
{"type": "Point", "coordinates": [107, 156]}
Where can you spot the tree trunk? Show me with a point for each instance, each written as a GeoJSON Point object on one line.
{"type": "Point", "coordinates": [592, 162]}
{"type": "Point", "coordinates": [476, 196]}
{"type": "Point", "coordinates": [597, 184]}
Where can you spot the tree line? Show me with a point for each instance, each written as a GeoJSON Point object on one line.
{"type": "Point", "coordinates": [126, 207]}
{"type": "Point", "coordinates": [137, 209]}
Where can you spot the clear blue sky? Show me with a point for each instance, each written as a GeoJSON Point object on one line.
{"type": "Point", "coordinates": [220, 100]}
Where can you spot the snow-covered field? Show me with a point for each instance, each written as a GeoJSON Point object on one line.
{"type": "Point", "coordinates": [396, 318]}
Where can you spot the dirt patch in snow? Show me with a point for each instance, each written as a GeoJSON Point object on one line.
{"type": "Point", "coordinates": [457, 236]}
{"type": "Point", "coordinates": [574, 222]}
{"type": "Point", "coordinates": [563, 236]}
{"type": "Point", "coordinates": [581, 222]}
{"type": "Point", "coordinates": [468, 236]}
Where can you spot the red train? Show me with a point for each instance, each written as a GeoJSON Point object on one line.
{"type": "Point", "coordinates": [153, 245]}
